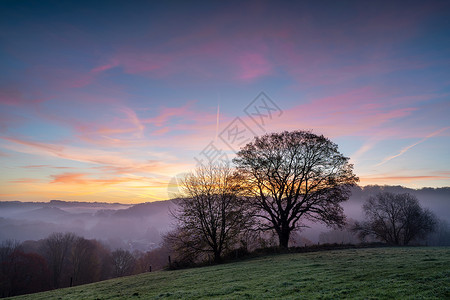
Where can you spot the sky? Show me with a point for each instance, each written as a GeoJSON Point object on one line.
{"type": "Point", "coordinates": [112, 101]}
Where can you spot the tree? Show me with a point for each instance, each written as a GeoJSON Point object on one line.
{"type": "Point", "coordinates": [7, 249]}
{"type": "Point", "coordinates": [28, 273]}
{"type": "Point", "coordinates": [57, 247]}
{"type": "Point", "coordinates": [440, 235]}
{"type": "Point", "coordinates": [295, 175]}
{"type": "Point", "coordinates": [155, 258]}
{"type": "Point", "coordinates": [212, 213]}
{"type": "Point", "coordinates": [123, 262]}
{"type": "Point", "coordinates": [84, 261]}
{"type": "Point", "coordinates": [395, 219]}
{"type": "Point", "coordinates": [103, 255]}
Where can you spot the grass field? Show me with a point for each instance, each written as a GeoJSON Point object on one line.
{"type": "Point", "coordinates": [375, 273]}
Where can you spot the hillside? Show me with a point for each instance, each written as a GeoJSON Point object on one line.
{"type": "Point", "coordinates": [357, 273]}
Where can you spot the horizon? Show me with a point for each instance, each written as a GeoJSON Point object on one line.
{"type": "Point", "coordinates": [113, 101]}
{"type": "Point", "coordinates": [170, 199]}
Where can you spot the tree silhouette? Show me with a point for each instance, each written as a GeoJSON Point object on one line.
{"type": "Point", "coordinates": [57, 247]}
{"type": "Point", "coordinates": [212, 213]}
{"type": "Point", "coordinates": [28, 273]}
{"type": "Point", "coordinates": [395, 219]}
{"type": "Point", "coordinates": [295, 175]}
{"type": "Point", "coordinates": [84, 261]}
{"type": "Point", "coordinates": [7, 250]}
{"type": "Point", "coordinates": [123, 262]}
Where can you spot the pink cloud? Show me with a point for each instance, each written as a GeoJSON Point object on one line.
{"type": "Point", "coordinates": [25, 181]}
{"type": "Point", "coordinates": [18, 96]}
{"type": "Point", "coordinates": [137, 62]}
{"type": "Point", "coordinates": [103, 68]}
{"type": "Point", "coordinates": [253, 65]}
{"type": "Point", "coordinates": [161, 131]}
{"type": "Point", "coordinates": [69, 178]}
{"type": "Point", "coordinates": [182, 126]}
{"type": "Point", "coordinates": [127, 128]}
{"type": "Point", "coordinates": [44, 167]}
{"type": "Point", "coordinates": [360, 111]}
{"type": "Point", "coordinates": [134, 120]}
{"type": "Point", "coordinates": [229, 58]}
{"type": "Point", "coordinates": [10, 96]}
{"type": "Point", "coordinates": [317, 65]}
{"type": "Point", "coordinates": [82, 179]}
{"type": "Point", "coordinates": [243, 59]}
{"type": "Point", "coordinates": [36, 166]}
{"type": "Point", "coordinates": [400, 179]}
{"type": "Point", "coordinates": [115, 162]}
{"type": "Point", "coordinates": [166, 113]}
{"type": "Point", "coordinates": [123, 127]}
{"type": "Point", "coordinates": [58, 78]}
{"type": "Point", "coordinates": [66, 152]}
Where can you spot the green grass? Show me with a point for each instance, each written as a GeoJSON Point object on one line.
{"type": "Point", "coordinates": [377, 273]}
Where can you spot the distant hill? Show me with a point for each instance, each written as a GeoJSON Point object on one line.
{"type": "Point", "coordinates": [45, 212]}
{"type": "Point", "coordinates": [9, 207]}
{"type": "Point", "coordinates": [61, 203]}
{"type": "Point", "coordinates": [145, 209]}
{"type": "Point", "coordinates": [119, 225]}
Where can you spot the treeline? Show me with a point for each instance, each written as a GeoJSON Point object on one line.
{"type": "Point", "coordinates": [65, 259]}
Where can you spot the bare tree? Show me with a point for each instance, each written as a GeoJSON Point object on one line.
{"type": "Point", "coordinates": [84, 261]}
{"type": "Point", "coordinates": [395, 219]}
{"type": "Point", "coordinates": [7, 248]}
{"type": "Point", "coordinates": [123, 262]}
{"type": "Point", "coordinates": [440, 235]}
{"type": "Point", "coordinates": [57, 247]}
{"type": "Point", "coordinates": [155, 259]}
{"type": "Point", "coordinates": [28, 273]}
{"type": "Point", "coordinates": [295, 175]}
{"type": "Point", "coordinates": [212, 213]}
{"type": "Point", "coordinates": [103, 254]}
{"type": "Point", "coordinates": [7, 259]}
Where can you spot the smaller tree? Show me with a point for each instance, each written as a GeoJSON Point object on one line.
{"type": "Point", "coordinates": [211, 215]}
{"type": "Point", "coordinates": [104, 258]}
{"type": "Point", "coordinates": [395, 219]}
{"type": "Point", "coordinates": [123, 262]}
{"type": "Point", "coordinates": [57, 248]}
{"type": "Point", "coordinates": [155, 258]}
{"type": "Point", "coordinates": [7, 249]}
{"type": "Point", "coordinates": [84, 261]}
{"type": "Point", "coordinates": [28, 273]}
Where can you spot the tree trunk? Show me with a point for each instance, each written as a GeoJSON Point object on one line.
{"type": "Point", "coordinates": [217, 258]}
{"type": "Point", "coordinates": [283, 237]}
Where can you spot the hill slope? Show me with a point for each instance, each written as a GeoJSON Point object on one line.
{"type": "Point", "coordinates": [356, 273]}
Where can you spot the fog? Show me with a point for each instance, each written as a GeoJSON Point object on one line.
{"type": "Point", "coordinates": [140, 226]}
{"type": "Point", "coordinates": [437, 200]}
{"type": "Point", "coordinates": [133, 227]}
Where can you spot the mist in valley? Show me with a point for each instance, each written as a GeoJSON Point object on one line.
{"type": "Point", "coordinates": [141, 226]}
